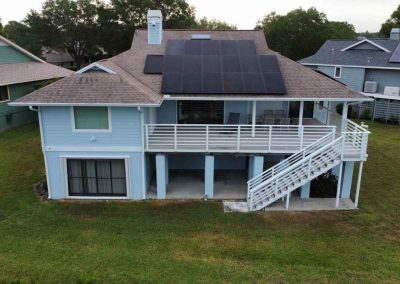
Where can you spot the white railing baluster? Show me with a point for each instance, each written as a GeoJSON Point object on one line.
{"type": "Point", "coordinates": [147, 136]}
{"type": "Point", "coordinates": [175, 138]}
{"type": "Point", "coordinates": [207, 133]}
{"type": "Point", "coordinates": [270, 138]}
{"type": "Point", "coordinates": [238, 139]}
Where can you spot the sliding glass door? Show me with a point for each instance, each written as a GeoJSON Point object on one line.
{"type": "Point", "coordinates": [96, 177]}
{"type": "Point", "coordinates": [200, 112]}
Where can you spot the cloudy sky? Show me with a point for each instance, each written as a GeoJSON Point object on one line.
{"type": "Point", "coordinates": [363, 14]}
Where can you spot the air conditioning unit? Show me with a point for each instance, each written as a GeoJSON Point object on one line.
{"type": "Point", "coordinates": [392, 91]}
{"type": "Point", "coordinates": [370, 87]}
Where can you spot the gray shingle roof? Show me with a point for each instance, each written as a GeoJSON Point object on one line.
{"type": "Point", "coordinates": [330, 53]}
{"type": "Point", "coordinates": [131, 86]}
{"type": "Point", "coordinates": [16, 73]}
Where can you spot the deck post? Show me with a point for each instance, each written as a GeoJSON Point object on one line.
{"type": "Point", "coordinates": [305, 190]}
{"type": "Point", "coordinates": [339, 186]}
{"type": "Point", "coordinates": [358, 184]}
{"type": "Point", "coordinates": [347, 179]}
{"type": "Point", "coordinates": [256, 166]}
{"type": "Point", "coordinates": [161, 178]}
{"type": "Point", "coordinates": [209, 176]}
{"type": "Point", "coordinates": [344, 116]}
{"type": "Point", "coordinates": [253, 120]}
{"type": "Point", "coordinates": [287, 200]}
{"type": "Point", "coordinates": [166, 170]}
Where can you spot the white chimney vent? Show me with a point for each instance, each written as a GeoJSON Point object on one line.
{"type": "Point", "coordinates": [395, 34]}
{"type": "Point", "coordinates": [154, 27]}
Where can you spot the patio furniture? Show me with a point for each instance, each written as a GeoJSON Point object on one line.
{"type": "Point", "coordinates": [233, 118]}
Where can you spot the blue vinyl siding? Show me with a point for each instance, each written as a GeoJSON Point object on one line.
{"type": "Point", "coordinates": [56, 174]}
{"type": "Point", "coordinates": [352, 77]}
{"type": "Point", "coordinates": [166, 113]}
{"type": "Point", "coordinates": [57, 129]}
{"type": "Point", "coordinates": [196, 162]}
{"type": "Point", "coordinates": [384, 78]}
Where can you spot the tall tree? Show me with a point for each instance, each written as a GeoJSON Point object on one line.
{"type": "Point", "coordinates": [301, 32]}
{"type": "Point", "coordinates": [392, 22]}
{"type": "Point", "coordinates": [24, 36]}
{"type": "Point", "coordinates": [213, 24]}
{"type": "Point", "coordinates": [1, 28]}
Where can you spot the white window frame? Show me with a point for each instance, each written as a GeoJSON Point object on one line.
{"type": "Point", "coordinates": [64, 172]}
{"type": "Point", "coordinates": [91, 130]}
{"type": "Point", "coordinates": [8, 95]}
{"type": "Point", "coordinates": [340, 72]}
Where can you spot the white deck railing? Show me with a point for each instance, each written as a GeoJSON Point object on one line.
{"type": "Point", "coordinates": [231, 138]}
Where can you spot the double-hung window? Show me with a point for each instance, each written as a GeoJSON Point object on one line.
{"type": "Point", "coordinates": [91, 118]}
{"type": "Point", "coordinates": [4, 95]}
{"type": "Point", "coordinates": [96, 177]}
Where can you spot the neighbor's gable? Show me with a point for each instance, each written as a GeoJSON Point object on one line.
{"type": "Point", "coordinates": [9, 54]}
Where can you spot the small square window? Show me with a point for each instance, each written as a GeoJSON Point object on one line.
{"type": "Point", "coordinates": [91, 118]}
{"type": "Point", "coordinates": [4, 96]}
{"type": "Point", "coordinates": [338, 72]}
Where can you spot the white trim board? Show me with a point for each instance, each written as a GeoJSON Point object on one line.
{"type": "Point", "coordinates": [95, 65]}
{"type": "Point", "coordinates": [368, 41]}
{"type": "Point", "coordinates": [112, 149]}
{"type": "Point", "coordinates": [351, 66]}
{"type": "Point", "coordinates": [84, 104]}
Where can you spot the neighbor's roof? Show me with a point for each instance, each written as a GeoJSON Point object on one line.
{"type": "Point", "coordinates": [127, 68]}
{"type": "Point", "coordinates": [332, 53]}
{"type": "Point", "coordinates": [38, 69]}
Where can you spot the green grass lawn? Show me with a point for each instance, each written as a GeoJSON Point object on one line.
{"type": "Point", "coordinates": [103, 242]}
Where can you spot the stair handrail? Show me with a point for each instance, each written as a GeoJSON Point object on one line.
{"type": "Point", "coordinates": [269, 173]}
{"type": "Point", "coordinates": [299, 162]}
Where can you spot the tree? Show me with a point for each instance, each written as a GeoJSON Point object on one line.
{"type": "Point", "coordinates": [1, 28]}
{"type": "Point", "coordinates": [213, 24]}
{"type": "Point", "coordinates": [129, 15]}
{"type": "Point", "coordinates": [392, 22]}
{"type": "Point", "coordinates": [23, 35]}
{"type": "Point", "coordinates": [300, 33]}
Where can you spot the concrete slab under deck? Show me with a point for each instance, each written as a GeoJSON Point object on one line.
{"type": "Point", "coordinates": [189, 184]}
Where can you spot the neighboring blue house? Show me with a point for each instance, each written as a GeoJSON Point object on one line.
{"type": "Point", "coordinates": [21, 73]}
{"type": "Point", "coordinates": [370, 66]}
{"type": "Point", "coordinates": [197, 114]}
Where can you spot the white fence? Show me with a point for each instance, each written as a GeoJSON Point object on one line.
{"type": "Point", "coordinates": [231, 138]}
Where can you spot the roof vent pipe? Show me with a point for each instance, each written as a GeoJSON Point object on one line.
{"type": "Point", "coordinates": [154, 27]}
{"type": "Point", "coordinates": [395, 34]}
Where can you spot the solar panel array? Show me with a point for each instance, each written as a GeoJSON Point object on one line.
{"type": "Point", "coordinates": [396, 55]}
{"type": "Point", "coordinates": [216, 67]}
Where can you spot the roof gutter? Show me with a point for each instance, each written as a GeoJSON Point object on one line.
{"type": "Point", "coordinates": [30, 104]}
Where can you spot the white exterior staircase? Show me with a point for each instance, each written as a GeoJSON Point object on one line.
{"type": "Point", "coordinates": [307, 164]}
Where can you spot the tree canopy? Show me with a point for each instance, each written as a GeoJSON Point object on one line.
{"type": "Point", "coordinates": [392, 22]}
{"type": "Point", "coordinates": [301, 32]}
{"type": "Point", "coordinates": [213, 24]}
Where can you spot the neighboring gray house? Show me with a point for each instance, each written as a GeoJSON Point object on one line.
{"type": "Point", "coordinates": [63, 58]}
{"type": "Point", "coordinates": [370, 66]}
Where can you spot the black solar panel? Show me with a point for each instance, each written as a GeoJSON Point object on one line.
{"type": "Point", "coordinates": [269, 63]}
{"type": "Point", "coordinates": [192, 83]}
{"type": "Point", "coordinates": [231, 63]}
{"type": "Point", "coordinates": [175, 47]}
{"type": "Point", "coordinates": [171, 83]}
{"type": "Point", "coordinates": [253, 83]}
{"type": "Point", "coordinates": [229, 47]}
{"type": "Point", "coordinates": [246, 47]}
{"type": "Point", "coordinates": [274, 83]}
{"type": "Point", "coordinates": [249, 63]}
{"type": "Point", "coordinates": [154, 64]}
{"type": "Point", "coordinates": [212, 83]}
{"type": "Point", "coordinates": [232, 83]}
{"type": "Point", "coordinates": [173, 63]}
{"type": "Point", "coordinates": [218, 66]}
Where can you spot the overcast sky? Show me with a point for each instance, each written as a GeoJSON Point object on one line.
{"type": "Point", "coordinates": [363, 14]}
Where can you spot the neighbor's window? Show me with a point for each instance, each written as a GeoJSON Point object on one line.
{"type": "Point", "coordinates": [4, 94]}
{"type": "Point", "coordinates": [91, 118]}
{"type": "Point", "coordinates": [96, 177]}
{"type": "Point", "coordinates": [338, 72]}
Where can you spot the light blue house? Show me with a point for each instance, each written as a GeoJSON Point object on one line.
{"type": "Point", "coordinates": [370, 66]}
{"type": "Point", "coordinates": [197, 114]}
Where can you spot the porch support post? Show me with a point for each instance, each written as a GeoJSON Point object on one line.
{"type": "Point", "coordinates": [253, 120]}
{"type": "Point", "coordinates": [347, 179]}
{"type": "Point", "coordinates": [166, 170]}
{"type": "Point", "coordinates": [305, 190]}
{"type": "Point", "coordinates": [339, 186]}
{"type": "Point", "coordinates": [161, 176]}
{"type": "Point", "coordinates": [344, 116]}
{"type": "Point", "coordinates": [256, 166]}
{"type": "Point", "coordinates": [358, 184]}
{"type": "Point", "coordinates": [209, 176]}
{"type": "Point", "coordinates": [287, 201]}
{"type": "Point", "coordinates": [301, 113]}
